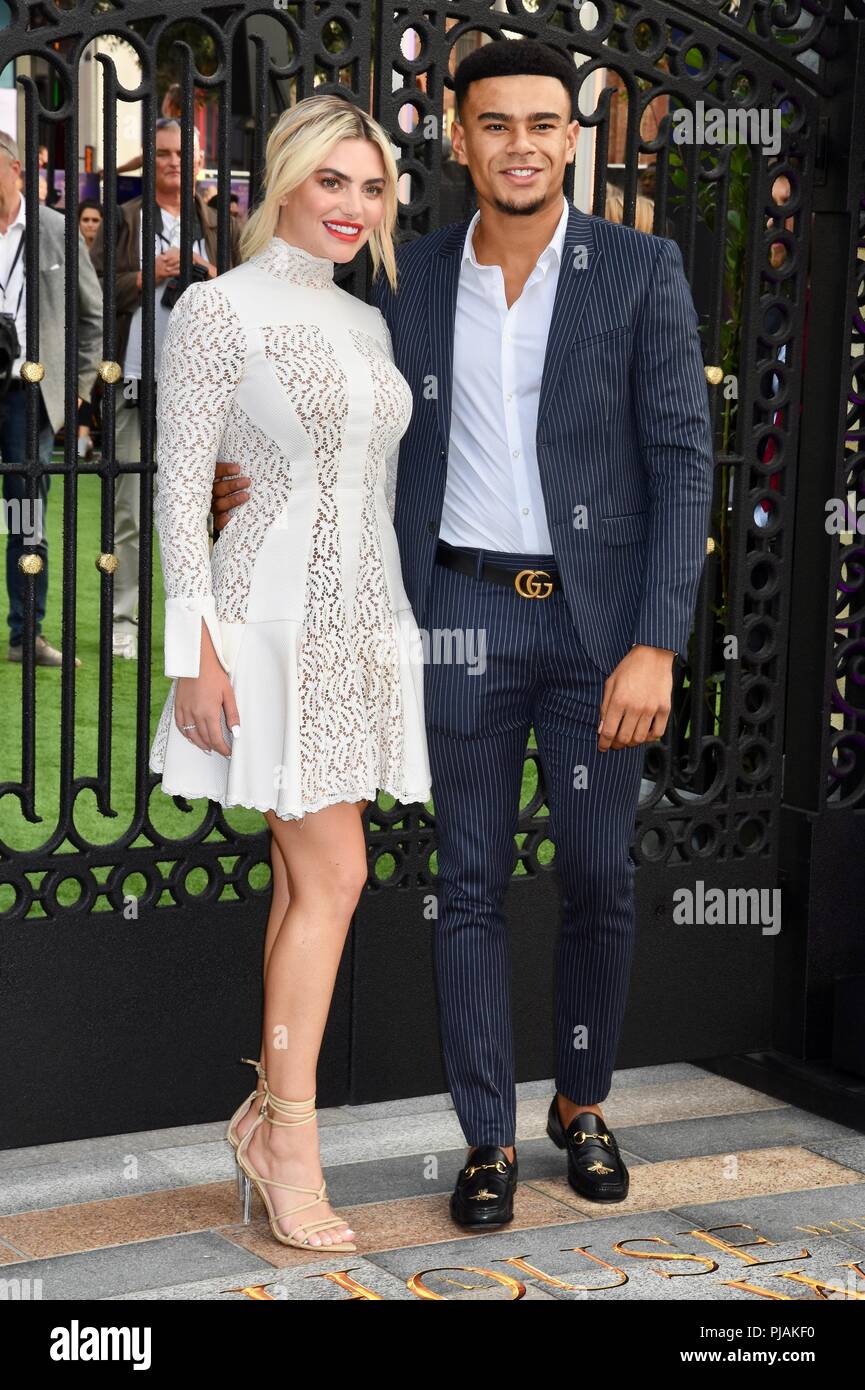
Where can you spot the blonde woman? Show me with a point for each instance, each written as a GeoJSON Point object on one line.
{"type": "Point", "coordinates": [614, 209]}
{"type": "Point", "coordinates": [297, 687]}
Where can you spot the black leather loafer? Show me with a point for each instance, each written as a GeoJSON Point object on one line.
{"type": "Point", "coordinates": [596, 1169]}
{"type": "Point", "coordinates": [485, 1187]}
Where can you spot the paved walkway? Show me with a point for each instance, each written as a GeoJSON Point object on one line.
{"type": "Point", "coordinates": [714, 1165]}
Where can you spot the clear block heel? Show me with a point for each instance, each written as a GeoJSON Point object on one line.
{"type": "Point", "coordinates": [301, 1112]}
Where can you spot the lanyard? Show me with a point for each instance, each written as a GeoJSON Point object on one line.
{"type": "Point", "coordinates": [19, 248]}
{"type": "Point", "coordinates": [167, 245]}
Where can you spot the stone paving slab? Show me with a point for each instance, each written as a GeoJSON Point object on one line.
{"type": "Point", "coordinates": [702, 1096]}
{"type": "Point", "coordinates": [421, 1133]}
{"type": "Point", "coordinates": [61, 1184]}
{"type": "Point", "coordinates": [655, 1075]}
{"type": "Point", "coordinates": [108, 1146]}
{"type": "Point", "coordinates": [121, 1220]}
{"type": "Point", "coordinates": [850, 1152]}
{"type": "Point", "coordinates": [720, 1177]}
{"type": "Point", "coordinates": [712, 1134]}
{"type": "Point", "coordinates": [328, 1281]}
{"type": "Point", "coordinates": [290, 1285]}
{"type": "Point", "coordinates": [119, 1269]}
{"type": "Point", "coordinates": [828, 1212]}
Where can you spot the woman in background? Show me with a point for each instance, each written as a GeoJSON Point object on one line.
{"type": "Point", "coordinates": [89, 222]}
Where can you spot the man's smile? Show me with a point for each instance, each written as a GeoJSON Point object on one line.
{"type": "Point", "coordinates": [521, 173]}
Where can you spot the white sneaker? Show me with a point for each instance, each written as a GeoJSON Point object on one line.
{"type": "Point", "coordinates": [125, 644]}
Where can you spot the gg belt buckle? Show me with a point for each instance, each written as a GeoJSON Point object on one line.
{"type": "Point", "coordinates": [527, 584]}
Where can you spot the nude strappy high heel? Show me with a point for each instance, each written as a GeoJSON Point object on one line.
{"type": "Point", "coordinates": [301, 1114]}
{"type": "Point", "coordinates": [231, 1132]}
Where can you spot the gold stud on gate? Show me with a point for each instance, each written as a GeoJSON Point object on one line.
{"type": "Point", "coordinates": [32, 371]}
{"type": "Point", "coordinates": [110, 371]}
{"type": "Point", "coordinates": [107, 562]}
{"type": "Point", "coordinates": [30, 564]}
{"type": "Point", "coordinates": [714, 375]}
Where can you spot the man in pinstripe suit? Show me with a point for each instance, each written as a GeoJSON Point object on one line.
{"type": "Point", "coordinates": [553, 494]}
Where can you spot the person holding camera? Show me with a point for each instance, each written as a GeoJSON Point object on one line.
{"type": "Point", "coordinates": [129, 310]}
{"type": "Point", "coordinates": [25, 522]}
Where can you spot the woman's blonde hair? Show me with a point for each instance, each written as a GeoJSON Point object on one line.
{"type": "Point", "coordinates": [614, 209]}
{"type": "Point", "coordinates": [296, 146]}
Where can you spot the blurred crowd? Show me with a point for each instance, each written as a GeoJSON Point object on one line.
{"type": "Point", "coordinates": [129, 259]}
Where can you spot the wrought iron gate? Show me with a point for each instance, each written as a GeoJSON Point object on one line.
{"type": "Point", "coordinates": [121, 950]}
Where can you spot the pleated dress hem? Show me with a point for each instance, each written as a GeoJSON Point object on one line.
{"type": "Point", "coordinates": [332, 799]}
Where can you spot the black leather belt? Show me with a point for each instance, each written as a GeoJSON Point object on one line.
{"type": "Point", "coordinates": [530, 581]}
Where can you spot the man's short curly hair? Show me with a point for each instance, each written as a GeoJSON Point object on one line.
{"type": "Point", "coordinates": [512, 58]}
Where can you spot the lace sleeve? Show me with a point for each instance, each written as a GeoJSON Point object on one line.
{"type": "Point", "coordinates": [203, 356]}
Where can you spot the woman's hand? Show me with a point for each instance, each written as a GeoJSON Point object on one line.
{"type": "Point", "coordinates": [199, 700]}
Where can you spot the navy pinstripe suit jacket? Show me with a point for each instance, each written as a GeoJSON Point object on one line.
{"type": "Point", "coordinates": [623, 435]}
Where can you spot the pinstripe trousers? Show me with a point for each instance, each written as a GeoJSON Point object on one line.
{"type": "Point", "coordinates": [535, 673]}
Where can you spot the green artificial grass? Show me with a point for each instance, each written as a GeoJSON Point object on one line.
{"type": "Point", "coordinates": [94, 827]}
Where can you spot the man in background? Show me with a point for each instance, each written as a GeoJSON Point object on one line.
{"type": "Point", "coordinates": [128, 305]}
{"type": "Point", "coordinates": [52, 338]}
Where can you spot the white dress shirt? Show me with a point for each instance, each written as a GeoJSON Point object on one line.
{"type": "Point", "coordinates": [170, 237]}
{"type": "Point", "coordinates": [14, 300]}
{"type": "Point", "coordinates": [493, 498]}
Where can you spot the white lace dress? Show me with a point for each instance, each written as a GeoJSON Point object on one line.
{"type": "Point", "coordinates": [272, 366]}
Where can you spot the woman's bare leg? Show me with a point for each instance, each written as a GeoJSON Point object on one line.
{"type": "Point", "coordinates": [279, 900]}
{"type": "Point", "coordinates": [327, 869]}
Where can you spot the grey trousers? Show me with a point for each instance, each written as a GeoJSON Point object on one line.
{"type": "Point", "coordinates": [127, 518]}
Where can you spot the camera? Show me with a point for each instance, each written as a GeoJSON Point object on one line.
{"type": "Point", "coordinates": [10, 349]}
{"type": "Point", "coordinates": [175, 286]}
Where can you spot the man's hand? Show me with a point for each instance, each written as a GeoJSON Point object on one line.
{"type": "Point", "coordinates": [230, 490]}
{"type": "Point", "coordinates": [166, 264]}
{"type": "Point", "coordinates": [636, 702]}
{"type": "Point", "coordinates": [199, 260]}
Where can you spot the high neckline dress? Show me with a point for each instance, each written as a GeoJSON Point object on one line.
{"type": "Point", "coordinates": [272, 366]}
